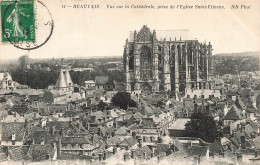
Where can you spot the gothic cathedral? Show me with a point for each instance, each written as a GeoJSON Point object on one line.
{"type": "Point", "coordinates": [166, 65]}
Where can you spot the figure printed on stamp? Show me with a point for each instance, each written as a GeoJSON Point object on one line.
{"type": "Point", "coordinates": [14, 16]}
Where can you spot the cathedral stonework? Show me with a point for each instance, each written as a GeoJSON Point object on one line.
{"type": "Point", "coordinates": [166, 65]}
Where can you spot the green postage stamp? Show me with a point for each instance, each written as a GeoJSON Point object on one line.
{"type": "Point", "coordinates": [17, 20]}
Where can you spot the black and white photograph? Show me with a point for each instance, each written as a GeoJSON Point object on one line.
{"type": "Point", "coordinates": [127, 82]}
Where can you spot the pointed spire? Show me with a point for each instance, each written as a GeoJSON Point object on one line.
{"type": "Point", "coordinates": [175, 38]}
{"type": "Point", "coordinates": [68, 78]}
{"type": "Point", "coordinates": [61, 82]}
{"type": "Point", "coordinates": [180, 38]}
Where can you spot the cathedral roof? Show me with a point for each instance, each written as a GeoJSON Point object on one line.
{"type": "Point", "coordinates": [183, 34]}
{"type": "Point", "coordinates": [61, 82]}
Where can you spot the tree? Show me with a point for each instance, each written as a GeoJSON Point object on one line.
{"type": "Point", "coordinates": [123, 100]}
{"type": "Point", "coordinates": [101, 105]}
{"type": "Point", "coordinates": [202, 126]}
{"type": "Point", "coordinates": [2, 100]}
{"type": "Point", "coordinates": [23, 60]}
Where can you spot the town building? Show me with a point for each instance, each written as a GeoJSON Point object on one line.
{"type": "Point", "coordinates": [6, 81]}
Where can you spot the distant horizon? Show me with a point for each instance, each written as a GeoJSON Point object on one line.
{"type": "Point", "coordinates": [4, 61]}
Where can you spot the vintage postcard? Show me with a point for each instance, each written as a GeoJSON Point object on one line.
{"type": "Point", "coordinates": [129, 82]}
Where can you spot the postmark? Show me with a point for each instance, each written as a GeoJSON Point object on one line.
{"type": "Point", "coordinates": [26, 24]}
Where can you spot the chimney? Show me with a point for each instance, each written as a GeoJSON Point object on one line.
{"type": "Point", "coordinates": [189, 144]}
{"type": "Point", "coordinates": [140, 142]}
{"type": "Point", "coordinates": [15, 114]}
{"type": "Point", "coordinates": [99, 131]}
{"type": "Point", "coordinates": [105, 156]}
{"type": "Point", "coordinates": [114, 150]}
{"type": "Point", "coordinates": [62, 132]}
{"type": "Point", "coordinates": [58, 148]}
{"type": "Point", "coordinates": [243, 141]}
{"type": "Point", "coordinates": [239, 157]}
{"type": "Point", "coordinates": [195, 97]}
{"type": "Point", "coordinates": [144, 155]}
{"type": "Point", "coordinates": [134, 134]}
{"type": "Point", "coordinates": [160, 139]}
{"type": "Point", "coordinates": [100, 157]}
{"type": "Point", "coordinates": [158, 159]}
{"type": "Point", "coordinates": [34, 115]}
{"type": "Point", "coordinates": [115, 124]}
{"type": "Point", "coordinates": [207, 109]}
{"type": "Point", "coordinates": [195, 107]}
{"type": "Point", "coordinates": [126, 156]}
{"type": "Point", "coordinates": [53, 130]}
{"type": "Point", "coordinates": [13, 136]}
{"type": "Point", "coordinates": [132, 154]}
{"type": "Point", "coordinates": [88, 126]}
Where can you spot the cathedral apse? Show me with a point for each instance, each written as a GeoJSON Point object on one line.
{"type": "Point", "coordinates": [156, 61]}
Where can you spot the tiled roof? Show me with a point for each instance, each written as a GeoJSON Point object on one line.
{"type": "Point", "coordinates": [130, 141]}
{"type": "Point", "coordinates": [197, 150]}
{"type": "Point", "coordinates": [216, 146]}
{"type": "Point", "coordinates": [46, 136]}
{"type": "Point", "coordinates": [121, 131]}
{"type": "Point", "coordinates": [75, 140]}
{"type": "Point", "coordinates": [39, 152]}
{"type": "Point", "coordinates": [3, 114]}
{"type": "Point", "coordinates": [113, 141]}
{"type": "Point", "coordinates": [21, 109]}
{"type": "Point", "coordinates": [3, 157]}
{"type": "Point", "coordinates": [256, 142]}
{"type": "Point", "coordinates": [7, 129]}
{"type": "Point", "coordinates": [103, 80]}
{"type": "Point", "coordinates": [233, 114]}
{"type": "Point", "coordinates": [18, 153]}
{"type": "Point", "coordinates": [257, 87]}
{"type": "Point", "coordinates": [251, 109]}
{"type": "Point", "coordinates": [141, 151]}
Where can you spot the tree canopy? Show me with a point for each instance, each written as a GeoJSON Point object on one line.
{"type": "Point", "coordinates": [202, 126]}
{"type": "Point", "coordinates": [123, 100]}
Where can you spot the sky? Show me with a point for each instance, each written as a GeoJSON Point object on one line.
{"type": "Point", "coordinates": [103, 31]}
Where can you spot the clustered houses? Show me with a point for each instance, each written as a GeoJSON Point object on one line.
{"type": "Point", "coordinates": [151, 133]}
{"type": "Point", "coordinates": [68, 122]}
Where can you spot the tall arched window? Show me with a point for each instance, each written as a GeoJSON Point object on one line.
{"type": "Point", "coordinates": [146, 63]}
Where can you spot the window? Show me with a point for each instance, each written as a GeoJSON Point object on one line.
{"type": "Point", "coordinates": [131, 63]}
{"type": "Point", "coordinates": [145, 63]}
